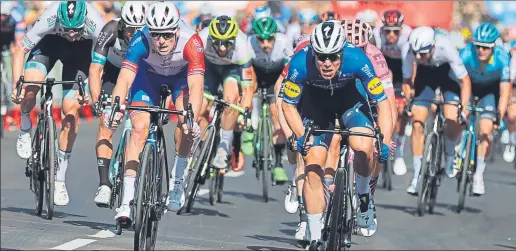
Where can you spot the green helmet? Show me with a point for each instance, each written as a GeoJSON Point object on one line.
{"type": "Point", "coordinates": [265, 27]}
{"type": "Point", "coordinates": [71, 14]}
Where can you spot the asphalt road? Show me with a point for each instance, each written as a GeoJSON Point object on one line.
{"type": "Point", "coordinates": [243, 221]}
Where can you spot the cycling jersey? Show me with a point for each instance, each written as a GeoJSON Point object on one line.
{"type": "Point", "coordinates": [152, 69]}
{"type": "Point", "coordinates": [496, 71]}
{"type": "Point", "coordinates": [325, 100]}
{"type": "Point", "coordinates": [276, 59]}
{"type": "Point", "coordinates": [380, 67]}
{"type": "Point", "coordinates": [9, 28]}
{"type": "Point", "coordinates": [110, 45]}
{"type": "Point", "coordinates": [513, 64]}
{"type": "Point", "coordinates": [236, 64]}
{"type": "Point", "coordinates": [391, 50]}
{"type": "Point", "coordinates": [47, 24]}
{"type": "Point", "coordinates": [293, 32]}
{"type": "Point", "coordinates": [444, 53]}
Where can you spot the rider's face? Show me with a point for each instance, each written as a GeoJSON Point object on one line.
{"type": "Point", "coordinates": [392, 36]}
{"type": "Point", "coordinates": [484, 53]}
{"type": "Point", "coordinates": [129, 32]}
{"type": "Point", "coordinates": [328, 65]}
{"type": "Point", "coordinates": [164, 41]}
{"type": "Point", "coordinates": [306, 28]}
{"type": "Point", "coordinates": [223, 47]}
{"type": "Point", "coordinates": [423, 57]}
{"type": "Point", "coordinates": [266, 44]}
{"type": "Point", "coordinates": [73, 34]}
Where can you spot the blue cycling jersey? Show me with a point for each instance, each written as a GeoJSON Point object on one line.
{"type": "Point", "coordinates": [497, 70]}
{"type": "Point", "coordinates": [355, 65]}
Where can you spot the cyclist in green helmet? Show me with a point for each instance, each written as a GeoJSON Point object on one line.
{"type": "Point", "coordinates": [66, 31]}
{"type": "Point", "coordinates": [271, 51]}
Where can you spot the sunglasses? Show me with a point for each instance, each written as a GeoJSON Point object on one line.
{"type": "Point", "coordinates": [323, 57]}
{"type": "Point", "coordinates": [131, 30]}
{"type": "Point", "coordinates": [166, 36]}
{"type": "Point", "coordinates": [220, 42]}
{"type": "Point", "coordinates": [485, 48]}
{"type": "Point", "coordinates": [422, 54]}
{"type": "Point", "coordinates": [261, 40]}
{"type": "Point", "coordinates": [73, 31]}
{"type": "Point", "coordinates": [396, 32]}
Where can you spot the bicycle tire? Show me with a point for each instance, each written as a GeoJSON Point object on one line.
{"type": "Point", "coordinates": [265, 160]}
{"type": "Point", "coordinates": [387, 174]}
{"type": "Point", "coordinates": [160, 198]}
{"type": "Point", "coordinates": [438, 172]}
{"type": "Point", "coordinates": [141, 211]}
{"type": "Point", "coordinates": [36, 174]}
{"type": "Point", "coordinates": [199, 158]}
{"type": "Point", "coordinates": [51, 164]}
{"type": "Point", "coordinates": [119, 179]}
{"type": "Point", "coordinates": [220, 188]}
{"type": "Point", "coordinates": [424, 173]}
{"type": "Point", "coordinates": [337, 223]}
{"type": "Point", "coordinates": [464, 174]}
{"type": "Point", "coordinates": [214, 174]}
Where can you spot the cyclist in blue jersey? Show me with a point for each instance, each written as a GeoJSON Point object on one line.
{"type": "Point", "coordinates": [324, 76]}
{"type": "Point", "coordinates": [488, 68]}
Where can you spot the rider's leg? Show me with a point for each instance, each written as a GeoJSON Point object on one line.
{"type": "Point", "coordinates": [453, 129]}
{"type": "Point", "coordinates": [510, 149]}
{"type": "Point", "coordinates": [228, 119]}
{"type": "Point", "coordinates": [486, 124]}
{"type": "Point", "coordinates": [278, 139]}
{"type": "Point", "coordinates": [399, 167]}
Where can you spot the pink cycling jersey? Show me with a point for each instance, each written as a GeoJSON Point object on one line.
{"type": "Point", "coordinates": [380, 67]}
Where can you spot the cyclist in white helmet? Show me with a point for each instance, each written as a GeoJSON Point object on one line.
{"type": "Point", "coordinates": [307, 21]}
{"type": "Point", "coordinates": [316, 86]}
{"type": "Point", "coordinates": [438, 65]}
{"type": "Point", "coordinates": [108, 53]}
{"type": "Point", "coordinates": [168, 52]}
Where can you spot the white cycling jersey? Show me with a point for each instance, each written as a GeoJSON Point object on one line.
{"type": "Point", "coordinates": [239, 55]}
{"type": "Point", "coordinates": [48, 24]}
{"type": "Point", "coordinates": [276, 59]}
{"type": "Point", "coordinates": [444, 53]}
{"type": "Point", "coordinates": [391, 50]}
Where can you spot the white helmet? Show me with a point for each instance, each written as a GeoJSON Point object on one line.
{"type": "Point", "coordinates": [206, 9]}
{"type": "Point", "coordinates": [328, 37]}
{"type": "Point", "coordinates": [422, 39]}
{"type": "Point", "coordinates": [133, 13]}
{"type": "Point", "coordinates": [6, 7]}
{"type": "Point", "coordinates": [162, 16]}
{"type": "Point", "coordinates": [262, 11]}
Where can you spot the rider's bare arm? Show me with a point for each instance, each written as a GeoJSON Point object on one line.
{"type": "Point", "coordinates": [123, 83]}
{"type": "Point", "coordinates": [194, 54]}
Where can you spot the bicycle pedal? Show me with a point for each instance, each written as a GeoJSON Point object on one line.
{"type": "Point", "coordinates": [102, 205]}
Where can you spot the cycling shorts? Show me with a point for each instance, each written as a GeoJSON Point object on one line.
{"type": "Point", "coordinates": [394, 65]}
{"type": "Point", "coordinates": [488, 99]}
{"type": "Point", "coordinates": [428, 78]}
{"type": "Point", "coordinates": [323, 108]}
{"type": "Point", "coordinates": [147, 87]}
{"type": "Point", "coordinates": [267, 80]}
{"type": "Point", "coordinates": [217, 74]}
{"type": "Point", "coordinates": [75, 57]}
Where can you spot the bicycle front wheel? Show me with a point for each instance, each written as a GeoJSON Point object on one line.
{"type": "Point", "coordinates": [337, 222]}
{"type": "Point", "coordinates": [464, 174]}
{"type": "Point", "coordinates": [424, 178]}
{"type": "Point", "coordinates": [36, 175]}
{"type": "Point", "coordinates": [141, 202]}
{"type": "Point", "coordinates": [50, 164]}
{"type": "Point", "coordinates": [387, 174]}
{"type": "Point", "coordinates": [266, 150]}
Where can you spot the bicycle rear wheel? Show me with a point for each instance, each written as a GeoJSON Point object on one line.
{"type": "Point", "coordinates": [464, 174]}
{"type": "Point", "coordinates": [198, 160]}
{"type": "Point", "coordinates": [337, 224]}
{"type": "Point", "coordinates": [141, 202]}
{"type": "Point", "coordinates": [50, 167]}
{"type": "Point", "coordinates": [424, 179]}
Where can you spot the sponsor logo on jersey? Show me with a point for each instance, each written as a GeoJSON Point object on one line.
{"type": "Point", "coordinates": [137, 40]}
{"type": "Point", "coordinates": [51, 20]}
{"type": "Point", "coordinates": [291, 90]}
{"type": "Point", "coordinates": [375, 87]}
{"type": "Point", "coordinates": [294, 74]}
{"type": "Point", "coordinates": [198, 44]}
{"type": "Point", "coordinates": [367, 71]}
{"type": "Point", "coordinates": [247, 73]}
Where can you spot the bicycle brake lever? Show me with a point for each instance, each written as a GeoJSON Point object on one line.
{"type": "Point", "coordinates": [115, 109]}
{"type": "Point", "coordinates": [80, 82]}
{"type": "Point", "coordinates": [247, 116]}
{"type": "Point", "coordinates": [308, 133]}
{"type": "Point", "coordinates": [189, 116]}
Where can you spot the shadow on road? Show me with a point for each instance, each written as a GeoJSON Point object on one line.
{"type": "Point", "coordinates": [407, 209]}
{"type": "Point", "coordinates": [33, 212]}
{"type": "Point", "coordinates": [290, 224]}
{"type": "Point", "coordinates": [453, 208]}
{"type": "Point", "coordinates": [92, 225]}
{"type": "Point", "coordinates": [289, 232]}
{"type": "Point", "coordinates": [249, 196]}
{"type": "Point", "coordinates": [207, 212]}
{"type": "Point", "coordinates": [257, 248]}
{"type": "Point", "coordinates": [506, 246]}
{"type": "Point", "coordinates": [284, 240]}
{"type": "Point", "coordinates": [206, 201]}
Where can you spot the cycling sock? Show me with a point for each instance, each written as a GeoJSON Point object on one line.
{"type": "Point", "coordinates": [255, 113]}
{"type": "Point", "coordinates": [278, 150]}
{"type": "Point", "coordinates": [481, 166]}
{"type": "Point", "coordinates": [512, 138]}
{"type": "Point", "coordinates": [372, 185]}
{"type": "Point", "coordinates": [416, 163]}
{"type": "Point", "coordinates": [237, 143]}
{"type": "Point", "coordinates": [103, 166]}
{"type": "Point", "coordinates": [400, 144]}
{"type": "Point", "coordinates": [363, 184]}
{"type": "Point", "coordinates": [26, 123]}
{"type": "Point", "coordinates": [64, 158]}
{"type": "Point", "coordinates": [178, 169]}
{"type": "Point", "coordinates": [128, 188]}
{"type": "Point", "coordinates": [226, 136]}
{"type": "Point", "coordinates": [314, 225]}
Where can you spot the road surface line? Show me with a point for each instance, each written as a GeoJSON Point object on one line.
{"type": "Point", "coordinates": [75, 244]}
{"type": "Point", "coordinates": [234, 174]}
{"type": "Point", "coordinates": [102, 234]}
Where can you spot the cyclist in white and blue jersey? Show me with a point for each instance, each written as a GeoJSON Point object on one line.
{"type": "Point", "coordinates": [488, 68]}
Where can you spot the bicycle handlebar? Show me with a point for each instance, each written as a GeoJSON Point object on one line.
{"type": "Point", "coordinates": [50, 82]}
{"type": "Point", "coordinates": [244, 111]}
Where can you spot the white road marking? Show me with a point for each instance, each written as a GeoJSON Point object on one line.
{"type": "Point", "coordinates": [232, 174]}
{"type": "Point", "coordinates": [202, 192]}
{"type": "Point", "coordinates": [103, 234]}
{"type": "Point", "coordinates": [75, 244]}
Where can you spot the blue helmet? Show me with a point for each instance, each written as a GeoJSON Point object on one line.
{"type": "Point", "coordinates": [308, 16]}
{"type": "Point", "coordinates": [486, 34]}
{"type": "Point", "coordinates": [262, 11]}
